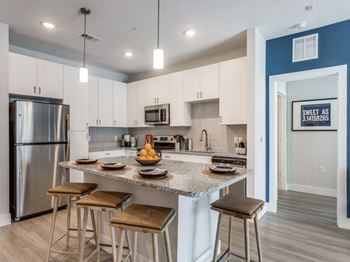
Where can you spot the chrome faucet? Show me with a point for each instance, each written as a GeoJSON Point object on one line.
{"type": "Point", "coordinates": [206, 139]}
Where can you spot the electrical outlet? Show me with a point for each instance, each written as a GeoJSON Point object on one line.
{"type": "Point", "coordinates": [322, 169]}
{"type": "Point", "coordinates": [115, 138]}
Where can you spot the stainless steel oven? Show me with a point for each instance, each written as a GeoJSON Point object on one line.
{"type": "Point", "coordinates": [157, 115]}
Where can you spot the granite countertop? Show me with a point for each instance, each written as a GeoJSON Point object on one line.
{"type": "Point", "coordinates": [187, 179]}
{"type": "Point", "coordinates": [203, 153]}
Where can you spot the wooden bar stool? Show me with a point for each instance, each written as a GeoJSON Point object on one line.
{"type": "Point", "coordinates": [96, 203]}
{"type": "Point", "coordinates": [146, 219]}
{"type": "Point", "coordinates": [241, 207]}
{"type": "Point", "coordinates": [72, 192]}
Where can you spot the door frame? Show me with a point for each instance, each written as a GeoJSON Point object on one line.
{"type": "Point", "coordinates": [276, 82]}
{"type": "Point", "coordinates": [283, 142]}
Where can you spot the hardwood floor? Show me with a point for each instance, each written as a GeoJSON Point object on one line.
{"type": "Point", "coordinates": [303, 229]}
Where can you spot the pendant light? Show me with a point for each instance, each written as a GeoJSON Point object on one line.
{"type": "Point", "coordinates": [158, 53]}
{"type": "Point", "coordinates": [84, 72]}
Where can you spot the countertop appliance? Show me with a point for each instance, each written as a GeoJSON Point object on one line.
{"type": "Point", "coordinates": [38, 142]}
{"type": "Point", "coordinates": [157, 115]}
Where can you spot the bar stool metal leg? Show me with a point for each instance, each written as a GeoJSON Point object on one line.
{"type": "Point", "coordinates": [155, 247]}
{"type": "Point", "coordinates": [167, 245]}
{"type": "Point", "coordinates": [69, 201]}
{"type": "Point", "coordinates": [83, 232]}
{"type": "Point", "coordinates": [229, 235]}
{"type": "Point", "coordinates": [53, 222]}
{"type": "Point", "coordinates": [121, 245]}
{"type": "Point", "coordinates": [134, 249]}
{"type": "Point", "coordinates": [257, 238]}
{"type": "Point", "coordinates": [216, 245]}
{"type": "Point", "coordinates": [246, 239]}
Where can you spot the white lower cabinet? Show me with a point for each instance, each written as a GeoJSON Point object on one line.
{"type": "Point", "coordinates": [79, 148]}
{"type": "Point", "coordinates": [233, 92]}
{"type": "Point", "coordinates": [187, 158]}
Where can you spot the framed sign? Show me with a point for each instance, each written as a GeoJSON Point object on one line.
{"type": "Point", "coordinates": [315, 115]}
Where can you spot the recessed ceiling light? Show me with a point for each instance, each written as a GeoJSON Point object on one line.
{"type": "Point", "coordinates": [48, 25]}
{"type": "Point", "coordinates": [190, 32]}
{"type": "Point", "coordinates": [128, 53]}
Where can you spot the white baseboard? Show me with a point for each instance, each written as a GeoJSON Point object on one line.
{"type": "Point", "coordinates": [5, 219]}
{"type": "Point", "coordinates": [313, 190]}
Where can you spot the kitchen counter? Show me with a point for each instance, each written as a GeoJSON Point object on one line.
{"type": "Point", "coordinates": [189, 188]}
{"type": "Point", "coordinates": [203, 153]}
{"type": "Point", "coordinates": [187, 179]}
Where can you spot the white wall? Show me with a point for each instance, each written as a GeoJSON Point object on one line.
{"type": "Point", "coordinates": [4, 126]}
{"type": "Point", "coordinates": [256, 154]}
{"type": "Point", "coordinates": [309, 151]}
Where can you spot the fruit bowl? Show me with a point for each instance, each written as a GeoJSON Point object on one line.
{"type": "Point", "coordinates": [150, 162]}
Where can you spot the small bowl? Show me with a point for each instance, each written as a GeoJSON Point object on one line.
{"type": "Point", "coordinates": [113, 166]}
{"type": "Point", "coordinates": [148, 162]}
{"type": "Point", "coordinates": [86, 161]}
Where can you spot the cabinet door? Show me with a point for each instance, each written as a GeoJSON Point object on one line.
{"type": "Point", "coordinates": [141, 102]}
{"type": "Point", "coordinates": [163, 89]}
{"type": "Point", "coordinates": [151, 91]}
{"type": "Point", "coordinates": [233, 92]}
{"type": "Point", "coordinates": [79, 148]}
{"type": "Point", "coordinates": [22, 75]}
{"type": "Point", "coordinates": [131, 104]}
{"type": "Point", "coordinates": [192, 82]}
{"type": "Point", "coordinates": [93, 101]}
{"type": "Point", "coordinates": [105, 102]}
{"type": "Point", "coordinates": [49, 79]}
{"type": "Point", "coordinates": [73, 89]}
{"type": "Point", "coordinates": [119, 104]}
{"type": "Point", "coordinates": [180, 112]}
{"type": "Point", "coordinates": [209, 82]}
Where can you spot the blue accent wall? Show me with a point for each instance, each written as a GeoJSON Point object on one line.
{"type": "Point", "coordinates": [334, 49]}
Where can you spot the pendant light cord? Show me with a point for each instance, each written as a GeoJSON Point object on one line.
{"type": "Point", "coordinates": [84, 49]}
{"type": "Point", "coordinates": [158, 24]}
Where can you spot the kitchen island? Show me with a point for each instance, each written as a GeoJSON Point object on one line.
{"type": "Point", "coordinates": [189, 188]}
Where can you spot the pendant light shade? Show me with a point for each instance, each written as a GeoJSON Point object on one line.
{"type": "Point", "coordinates": [84, 75]}
{"type": "Point", "coordinates": [84, 72]}
{"type": "Point", "coordinates": [158, 58]}
{"type": "Point", "coordinates": [158, 53]}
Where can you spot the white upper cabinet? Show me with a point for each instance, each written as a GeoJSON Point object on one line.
{"type": "Point", "coordinates": [105, 102]}
{"type": "Point", "coordinates": [22, 70]}
{"type": "Point", "coordinates": [119, 104]}
{"type": "Point", "coordinates": [201, 83]}
{"type": "Point", "coordinates": [73, 89]}
{"type": "Point", "coordinates": [93, 101]}
{"type": "Point", "coordinates": [132, 104]}
{"type": "Point", "coordinates": [158, 90]}
{"type": "Point", "coordinates": [180, 112]}
{"type": "Point", "coordinates": [192, 85]}
{"type": "Point", "coordinates": [233, 91]}
{"type": "Point", "coordinates": [136, 103]}
{"type": "Point", "coordinates": [209, 82]}
{"type": "Point", "coordinates": [49, 79]}
{"type": "Point", "coordinates": [35, 77]}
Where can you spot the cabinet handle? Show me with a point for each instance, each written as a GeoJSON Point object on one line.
{"type": "Point", "coordinates": [96, 121]}
{"type": "Point", "coordinates": [39, 90]}
{"type": "Point", "coordinates": [34, 89]}
{"type": "Point", "coordinates": [201, 94]}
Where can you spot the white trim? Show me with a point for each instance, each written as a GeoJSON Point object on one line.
{"type": "Point", "coordinates": [315, 36]}
{"type": "Point", "coordinates": [5, 219]}
{"type": "Point", "coordinates": [313, 190]}
{"type": "Point", "coordinates": [277, 80]}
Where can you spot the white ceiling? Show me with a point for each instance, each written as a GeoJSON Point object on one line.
{"type": "Point", "coordinates": [217, 22]}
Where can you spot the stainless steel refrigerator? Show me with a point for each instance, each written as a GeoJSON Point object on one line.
{"type": "Point", "coordinates": [38, 142]}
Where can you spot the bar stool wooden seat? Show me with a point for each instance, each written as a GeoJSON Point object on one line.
{"type": "Point", "coordinates": [241, 207]}
{"type": "Point", "coordinates": [146, 219]}
{"type": "Point", "coordinates": [96, 203]}
{"type": "Point", "coordinates": [72, 192]}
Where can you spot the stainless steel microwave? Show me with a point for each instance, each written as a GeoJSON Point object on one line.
{"type": "Point", "coordinates": [157, 115]}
